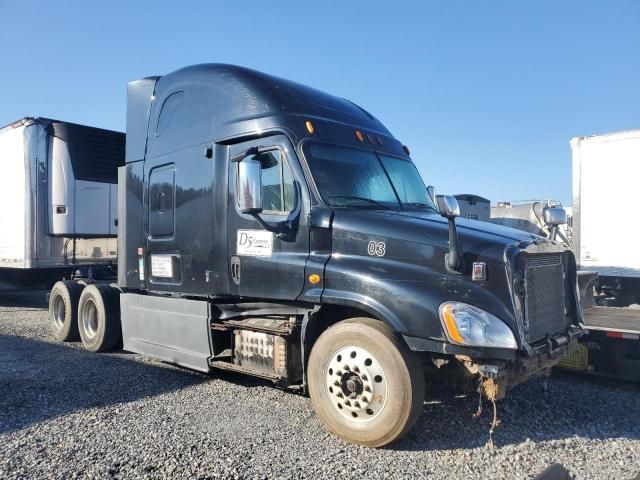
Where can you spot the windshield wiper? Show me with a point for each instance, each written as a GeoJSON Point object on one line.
{"type": "Point", "coordinates": [364, 199]}
{"type": "Point", "coordinates": [421, 205]}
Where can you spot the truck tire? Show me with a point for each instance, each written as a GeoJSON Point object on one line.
{"type": "Point", "coordinates": [365, 384]}
{"type": "Point", "coordinates": [63, 310]}
{"type": "Point", "coordinates": [99, 317]}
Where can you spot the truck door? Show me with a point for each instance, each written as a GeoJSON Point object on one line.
{"type": "Point", "coordinates": [261, 263]}
{"type": "Point", "coordinates": [181, 251]}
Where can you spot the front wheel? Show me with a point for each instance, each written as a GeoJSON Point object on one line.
{"type": "Point", "coordinates": [364, 383]}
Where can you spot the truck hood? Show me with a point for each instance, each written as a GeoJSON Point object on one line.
{"type": "Point", "coordinates": [396, 260]}
{"type": "Point", "coordinates": [430, 228]}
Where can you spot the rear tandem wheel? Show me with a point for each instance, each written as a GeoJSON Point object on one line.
{"type": "Point", "coordinates": [63, 310]}
{"type": "Point", "coordinates": [99, 317]}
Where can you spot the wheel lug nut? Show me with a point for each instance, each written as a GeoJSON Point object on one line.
{"type": "Point", "coordinates": [340, 395]}
{"type": "Point", "coordinates": [347, 402]}
{"type": "Point", "coordinates": [367, 388]}
{"type": "Point", "coordinates": [364, 378]}
{"type": "Point", "coordinates": [356, 369]}
{"type": "Point", "coordinates": [339, 373]}
{"type": "Point", "coordinates": [336, 383]}
{"type": "Point", "coordinates": [357, 404]}
{"type": "Point", "coordinates": [346, 367]}
{"type": "Point", "coordinates": [365, 400]}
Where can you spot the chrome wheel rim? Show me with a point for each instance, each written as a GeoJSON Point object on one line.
{"type": "Point", "coordinates": [59, 311]}
{"type": "Point", "coordinates": [89, 316]}
{"type": "Point", "coordinates": [356, 384]}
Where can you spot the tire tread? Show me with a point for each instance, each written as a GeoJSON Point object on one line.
{"type": "Point", "coordinates": [414, 399]}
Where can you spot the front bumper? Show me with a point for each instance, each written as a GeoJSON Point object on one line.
{"type": "Point", "coordinates": [504, 368]}
{"type": "Point", "coordinates": [551, 346]}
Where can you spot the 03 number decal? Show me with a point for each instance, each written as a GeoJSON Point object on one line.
{"type": "Point", "coordinates": [377, 249]}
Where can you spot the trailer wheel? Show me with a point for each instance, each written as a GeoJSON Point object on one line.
{"type": "Point", "coordinates": [99, 317]}
{"type": "Point", "coordinates": [63, 309]}
{"type": "Point", "coordinates": [365, 384]}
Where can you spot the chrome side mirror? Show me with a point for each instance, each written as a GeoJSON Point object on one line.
{"type": "Point", "coordinates": [448, 206]}
{"type": "Point", "coordinates": [554, 216]}
{"type": "Point", "coordinates": [449, 209]}
{"type": "Point", "coordinates": [250, 186]}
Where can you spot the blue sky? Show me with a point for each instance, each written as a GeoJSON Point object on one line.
{"type": "Point", "coordinates": [486, 94]}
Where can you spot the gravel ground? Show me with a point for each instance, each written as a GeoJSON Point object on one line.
{"type": "Point", "coordinates": [66, 413]}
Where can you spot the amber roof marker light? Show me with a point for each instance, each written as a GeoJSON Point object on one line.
{"type": "Point", "coordinates": [310, 128]}
{"type": "Point", "coordinates": [359, 135]}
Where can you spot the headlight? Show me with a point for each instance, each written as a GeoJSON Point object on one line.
{"type": "Point", "coordinates": [468, 325]}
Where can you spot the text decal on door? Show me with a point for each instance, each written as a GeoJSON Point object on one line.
{"type": "Point", "coordinates": [162, 266]}
{"type": "Point", "coordinates": [254, 242]}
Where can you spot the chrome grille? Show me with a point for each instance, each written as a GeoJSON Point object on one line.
{"type": "Point", "coordinates": [544, 295]}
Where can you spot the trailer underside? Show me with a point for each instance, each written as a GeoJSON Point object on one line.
{"type": "Point", "coordinates": [618, 319]}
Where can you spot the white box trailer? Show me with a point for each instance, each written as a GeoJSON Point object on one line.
{"type": "Point", "coordinates": [58, 191]}
{"type": "Point", "coordinates": [606, 172]}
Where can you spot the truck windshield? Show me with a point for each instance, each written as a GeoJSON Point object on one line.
{"type": "Point", "coordinates": [348, 177]}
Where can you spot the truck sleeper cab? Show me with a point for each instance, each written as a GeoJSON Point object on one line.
{"type": "Point", "coordinates": [271, 229]}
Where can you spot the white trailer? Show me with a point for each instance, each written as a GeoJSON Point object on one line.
{"type": "Point", "coordinates": [606, 172]}
{"type": "Point", "coordinates": [58, 192]}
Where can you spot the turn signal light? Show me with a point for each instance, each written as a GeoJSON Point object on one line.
{"type": "Point", "coordinates": [310, 127]}
{"type": "Point", "coordinates": [450, 324]}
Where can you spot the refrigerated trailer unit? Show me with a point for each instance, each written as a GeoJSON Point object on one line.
{"type": "Point", "coordinates": [58, 194]}
{"type": "Point", "coordinates": [606, 172]}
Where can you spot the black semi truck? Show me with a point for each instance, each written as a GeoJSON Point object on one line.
{"type": "Point", "coordinates": [268, 228]}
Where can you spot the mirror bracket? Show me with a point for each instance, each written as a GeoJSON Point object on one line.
{"type": "Point", "coordinates": [257, 150]}
{"type": "Point", "coordinates": [449, 209]}
{"type": "Point", "coordinates": [286, 229]}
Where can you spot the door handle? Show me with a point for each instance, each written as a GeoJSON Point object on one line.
{"type": "Point", "coordinates": [235, 269]}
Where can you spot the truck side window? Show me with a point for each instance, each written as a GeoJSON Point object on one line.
{"type": "Point", "coordinates": [278, 193]}
{"type": "Point", "coordinates": [170, 113]}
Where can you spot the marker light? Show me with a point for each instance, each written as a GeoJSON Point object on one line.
{"type": "Point", "coordinates": [359, 135]}
{"type": "Point", "coordinates": [310, 127]}
{"type": "Point", "coordinates": [371, 139]}
{"type": "Point", "coordinates": [406, 150]}
{"type": "Point", "coordinates": [471, 326]}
